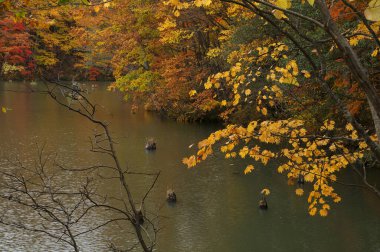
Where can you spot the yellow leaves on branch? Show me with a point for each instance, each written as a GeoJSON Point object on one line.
{"type": "Point", "coordinates": [361, 32]}
{"type": "Point", "coordinates": [166, 25]}
{"type": "Point", "coordinates": [317, 158]}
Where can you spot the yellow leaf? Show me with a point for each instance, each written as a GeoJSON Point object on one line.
{"type": "Point", "coordinates": [247, 92]}
{"type": "Point", "coordinates": [332, 147]}
{"type": "Point", "coordinates": [200, 3]}
{"type": "Point", "coordinates": [249, 169]}
{"type": "Point", "coordinates": [264, 111]}
{"type": "Point", "coordinates": [223, 103]}
{"type": "Point", "coordinates": [311, 2]}
{"type": "Point", "coordinates": [192, 92]}
{"type": "Point", "coordinates": [354, 41]}
{"type": "Point", "coordinates": [330, 126]}
{"type": "Point", "coordinates": [251, 126]}
{"type": "Point", "coordinates": [3, 109]}
{"type": "Point", "coordinates": [313, 211]}
{"type": "Point", "coordinates": [333, 177]}
{"type": "Point", "coordinates": [97, 8]}
{"type": "Point", "coordinates": [374, 138]}
{"type": "Point", "coordinates": [208, 85]}
{"type": "Point", "coordinates": [349, 127]}
{"type": "Point", "coordinates": [224, 148]}
{"type": "Point", "coordinates": [265, 191]}
{"type": "Point", "coordinates": [236, 100]}
{"type": "Point", "coordinates": [190, 162]}
{"type": "Point", "coordinates": [279, 14]}
{"type": "Point", "coordinates": [363, 145]}
{"type": "Point", "coordinates": [177, 13]}
{"type": "Point", "coordinates": [372, 12]}
{"type": "Point", "coordinates": [306, 73]}
{"type": "Point", "coordinates": [284, 4]}
{"type": "Point", "coordinates": [299, 191]}
{"type": "Point", "coordinates": [106, 4]}
{"type": "Point", "coordinates": [337, 199]}
{"type": "Point", "coordinates": [243, 152]}
{"type": "Point", "coordinates": [309, 177]}
{"type": "Point", "coordinates": [354, 135]}
{"type": "Point", "coordinates": [375, 52]}
{"type": "Point", "coordinates": [323, 212]}
{"type": "Point", "coordinates": [326, 206]}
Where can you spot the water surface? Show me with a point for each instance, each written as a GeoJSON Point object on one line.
{"type": "Point", "coordinates": [217, 205]}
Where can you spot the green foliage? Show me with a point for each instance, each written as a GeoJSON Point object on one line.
{"type": "Point", "coordinates": [139, 81]}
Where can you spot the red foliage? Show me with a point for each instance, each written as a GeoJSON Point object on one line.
{"type": "Point", "coordinates": [15, 47]}
{"type": "Point", "coordinates": [339, 11]}
{"type": "Point", "coordinates": [93, 74]}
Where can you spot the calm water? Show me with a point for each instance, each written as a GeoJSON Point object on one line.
{"type": "Point", "coordinates": [217, 208]}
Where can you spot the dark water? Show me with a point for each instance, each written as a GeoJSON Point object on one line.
{"type": "Point", "coordinates": [217, 208]}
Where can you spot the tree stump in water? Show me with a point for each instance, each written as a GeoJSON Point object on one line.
{"type": "Point", "coordinates": [171, 196]}
{"type": "Point", "coordinates": [150, 144]}
{"type": "Point", "coordinates": [301, 180]}
{"type": "Point", "coordinates": [263, 204]}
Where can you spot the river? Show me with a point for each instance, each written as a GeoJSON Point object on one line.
{"type": "Point", "coordinates": [217, 208]}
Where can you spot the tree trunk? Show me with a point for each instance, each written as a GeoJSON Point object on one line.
{"type": "Point", "coordinates": [351, 58]}
{"type": "Point", "coordinates": [376, 119]}
{"type": "Point", "coordinates": [374, 147]}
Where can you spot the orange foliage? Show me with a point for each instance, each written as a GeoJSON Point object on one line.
{"type": "Point", "coordinates": [339, 11]}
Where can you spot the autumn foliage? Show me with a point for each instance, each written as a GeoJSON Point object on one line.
{"type": "Point", "coordinates": [301, 77]}
{"type": "Point", "coordinates": [15, 50]}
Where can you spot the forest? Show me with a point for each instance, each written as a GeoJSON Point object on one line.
{"type": "Point", "coordinates": [292, 85]}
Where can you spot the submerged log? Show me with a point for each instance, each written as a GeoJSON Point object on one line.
{"type": "Point", "coordinates": [171, 196]}
{"type": "Point", "coordinates": [150, 145]}
{"type": "Point", "coordinates": [263, 204]}
{"type": "Point", "coordinates": [301, 180]}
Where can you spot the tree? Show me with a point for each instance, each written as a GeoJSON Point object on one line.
{"type": "Point", "coordinates": [306, 50]}
{"type": "Point", "coordinates": [61, 209]}
{"type": "Point", "coordinates": [15, 50]}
